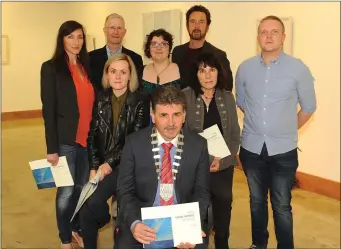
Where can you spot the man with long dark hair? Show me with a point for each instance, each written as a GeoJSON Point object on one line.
{"type": "Point", "coordinates": [198, 21]}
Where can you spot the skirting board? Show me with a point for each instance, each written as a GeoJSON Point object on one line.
{"type": "Point", "coordinates": [5, 116]}
{"type": "Point", "coordinates": [314, 184]}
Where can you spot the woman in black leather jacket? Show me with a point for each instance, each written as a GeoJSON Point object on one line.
{"type": "Point", "coordinates": [118, 111]}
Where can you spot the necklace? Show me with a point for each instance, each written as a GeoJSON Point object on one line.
{"type": "Point", "coordinates": [208, 98]}
{"type": "Point", "coordinates": [158, 74]}
{"type": "Point", "coordinates": [156, 153]}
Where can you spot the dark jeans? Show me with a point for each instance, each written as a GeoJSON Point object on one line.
{"type": "Point", "coordinates": [277, 174]}
{"type": "Point", "coordinates": [94, 213]}
{"type": "Point", "coordinates": [221, 194]}
{"type": "Point", "coordinates": [67, 197]}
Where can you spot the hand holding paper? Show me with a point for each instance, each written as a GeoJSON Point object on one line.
{"type": "Point", "coordinates": [143, 233]}
{"type": "Point", "coordinates": [215, 165]}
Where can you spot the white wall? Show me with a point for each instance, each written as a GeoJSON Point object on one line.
{"type": "Point", "coordinates": [32, 28]}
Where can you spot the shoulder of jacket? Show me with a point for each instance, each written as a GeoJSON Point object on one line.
{"type": "Point", "coordinates": [181, 46]}
{"type": "Point", "coordinates": [47, 63]}
{"type": "Point", "coordinates": [97, 51]}
{"type": "Point", "coordinates": [187, 89]}
{"type": "Point", "coordinates": [131, 52]}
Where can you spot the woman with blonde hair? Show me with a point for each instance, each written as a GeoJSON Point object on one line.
{"type": "Point", "coordinates": [118, 111]}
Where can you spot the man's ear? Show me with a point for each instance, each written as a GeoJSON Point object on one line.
{"type": "Point", "coordinates": [153, 117]}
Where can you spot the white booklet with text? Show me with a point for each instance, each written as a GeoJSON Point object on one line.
{"type": "Point", "coordinates": [174, 224]}
{"type": "Point", "coordinates": [215, 142]}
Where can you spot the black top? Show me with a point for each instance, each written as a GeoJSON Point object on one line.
{"type": "Point", "coordinates": [183, 56]}
{"type": "Point", "coordinates": [212, 117]}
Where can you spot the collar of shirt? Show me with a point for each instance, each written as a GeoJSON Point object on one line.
{"type": "Point", "coordinates": [122, 97]}
{"type": "Point", "coordinates": [161, 140]}
{"type": "Point", "coordinates": [275, 61]}
{"type": "Point", "coordinates": [111, 53]}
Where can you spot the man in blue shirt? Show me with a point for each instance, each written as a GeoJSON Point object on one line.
{"type": "Point", "coordinates": [268, 89]}
{"type": "Point", "coordinates": [164, 164]}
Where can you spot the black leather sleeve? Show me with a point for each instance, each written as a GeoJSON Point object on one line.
{"type": "Point", "coordinates": [94, 162]}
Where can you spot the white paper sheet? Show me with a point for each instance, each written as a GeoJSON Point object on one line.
{"type": "Point", "coordinates": [215, 141]}
{"type": "Point", "coordinates": [174, 224]}
{"type": "Point", "coordinates": [48, 176]}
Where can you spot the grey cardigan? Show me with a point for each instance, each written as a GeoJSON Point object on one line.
{"type": "Point", "coordinates": [229, 120]}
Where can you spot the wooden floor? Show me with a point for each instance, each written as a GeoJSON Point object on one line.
{"type": "Point", "coordinates": [28, 214]}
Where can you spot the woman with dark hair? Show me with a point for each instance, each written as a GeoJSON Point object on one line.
{"type": "Point", "coordinates": [160, 72]}
{"type": "Point", "coordinates": [208, 104]}
{"type": "Point", "coordinates": [67, 98]}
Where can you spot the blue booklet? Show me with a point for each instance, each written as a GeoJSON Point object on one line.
{"type": "Point", "coordinates": [47, 176]}
{"type": "Point", "coordinates": [164, 233]}
{"type": "Point", "coordinates": [44, 178]}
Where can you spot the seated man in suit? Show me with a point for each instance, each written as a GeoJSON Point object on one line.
{"type": "Point", "coordinates": [114, 30]}
{"type": "Point", "coordinates": [182, 162]}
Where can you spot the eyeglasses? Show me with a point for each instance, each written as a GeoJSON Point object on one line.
{"type": "Point", "coordinates": [155, 44]}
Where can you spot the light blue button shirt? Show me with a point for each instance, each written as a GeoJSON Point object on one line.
{"type": "Point", "coordinates": [269, 95]}
{"type": "Point", "coordinates": [112, 53]}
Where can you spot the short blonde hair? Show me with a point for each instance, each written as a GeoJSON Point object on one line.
{"type": "Point", "coordinates": [274, 18]}
{"type": "Point", "coordinates": [133, 83]}
{"type": "Point", "coordinates": [112, 16]}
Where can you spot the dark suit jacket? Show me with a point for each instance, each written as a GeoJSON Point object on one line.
{"type": "Point", "coordinates": [60, 107]}
{"type": "Point", "coordinates": [99, 57]}
{"type": "Point", "coordinates": [137, 179]}
{"type": "Point", "coordinates": [179, 56]}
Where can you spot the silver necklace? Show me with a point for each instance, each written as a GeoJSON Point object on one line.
{"type": "Point", "coordinates": [156, 153]}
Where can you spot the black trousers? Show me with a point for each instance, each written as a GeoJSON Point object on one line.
{"type": "Point", "coordinates": [124, 239]}
{"type": "Point", "coordinates": [221, 196]}
{"type": "Point", "coordinates": [95, 211]}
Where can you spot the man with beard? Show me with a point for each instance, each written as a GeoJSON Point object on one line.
{"type": "Point", "coordinates": [198, 20]}
{"type": "Point", "coordinates": [114, 30]}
